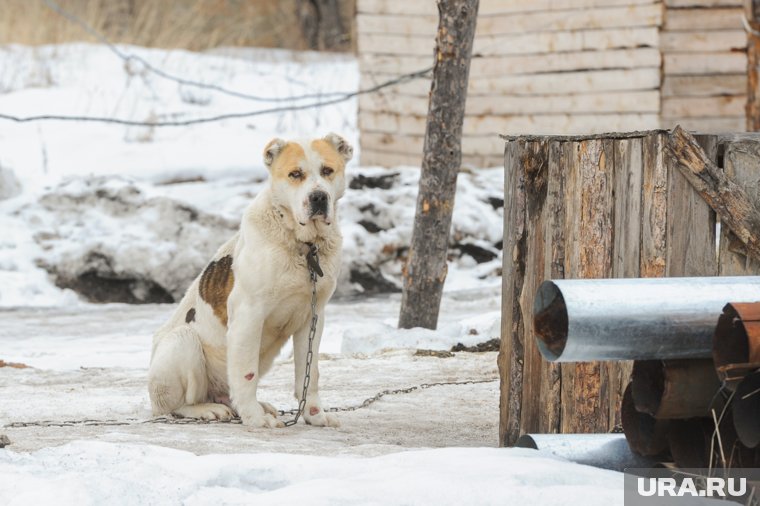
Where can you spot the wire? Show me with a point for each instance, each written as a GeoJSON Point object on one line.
{"type": "Point", "coordinates": [128, 57]}
{"type": "Point", "coordinates": [220, 117]}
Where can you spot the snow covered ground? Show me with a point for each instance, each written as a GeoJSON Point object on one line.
{"type": "Point", "coordinates": [140, 210]}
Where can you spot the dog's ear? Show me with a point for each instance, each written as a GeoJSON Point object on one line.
{"type": "Point", "coordinates": [341, 146]}
{"type": "Point", "coordinates": [273, 149]}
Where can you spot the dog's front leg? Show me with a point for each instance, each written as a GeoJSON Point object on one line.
{"type": "Point", "coordinates": [244, 336]}
{"type": "Point", "coordinates": [313, 412]}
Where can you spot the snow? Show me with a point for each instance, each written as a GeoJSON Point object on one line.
{"type": "Point", "coordinates": [97, 473]}
{"type": "Point", "coordinates": [150, 206]}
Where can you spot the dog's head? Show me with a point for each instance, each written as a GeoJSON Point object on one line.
{"type": "Point", "coordinates": [308, 178]}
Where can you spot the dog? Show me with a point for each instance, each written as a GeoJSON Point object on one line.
{"type": "Point", "coordinates": [207, 360]}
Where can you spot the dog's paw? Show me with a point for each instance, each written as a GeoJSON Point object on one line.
{"type": "Point", "coordinates": [206, 411]}
{"type": "Point", "coordinates": [316, 416]}
{"type": "Point", "coordinates": [257, 417]}
{"type": "Point", "coordinates": [268, 408]}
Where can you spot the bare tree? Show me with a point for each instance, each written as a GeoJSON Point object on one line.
{"type": "Point", "coordinates": [426, 268]}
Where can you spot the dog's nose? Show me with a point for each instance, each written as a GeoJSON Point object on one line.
{"type": "Point", "coordinates": [318, 202]}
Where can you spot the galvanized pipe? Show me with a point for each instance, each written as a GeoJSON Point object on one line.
{"type": "Point", "coordinates": [633, 319]}
{"type": "Point", "coordinates": [669, 389]}
{"type": "Point", "coordinates": [606, 451]}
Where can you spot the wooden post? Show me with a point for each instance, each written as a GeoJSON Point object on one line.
{"type": "Point", "coordinates": [425, 271]}
{"type": "Point", "coordinates": [752, 13]}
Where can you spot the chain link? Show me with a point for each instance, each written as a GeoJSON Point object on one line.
{"type": "Point", "coordinates": [312, 261]}
{"type": "Point", "coordinates": [172, 420]}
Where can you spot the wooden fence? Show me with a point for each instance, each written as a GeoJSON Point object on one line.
{"type": "Point", "coordinates": [599, 207]}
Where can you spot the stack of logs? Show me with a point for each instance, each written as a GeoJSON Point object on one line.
{"type": "Point", "coordinates": [694, 394]}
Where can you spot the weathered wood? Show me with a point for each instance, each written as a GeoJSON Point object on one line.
{"type": "Point", "coordinates": [425, 269]}
{"type": "Point", "coordinates": [486, 145]}
{"type": "Point", "coordinates": [703, 3]}
{"type": "Point", "coordinates": [704, 86]}
{"type": "Point", "coordinates": [618, 102]}
{"type": "Point", "coordinates": [654, 207]}
{"type": "Point", "coordinates": [595, 81]}
{"type": "Point", "coordinates": [491, 7]}
{"type": "Point", "coordinates": [741, 164]}
{"type": "Point", "coordinates": [752, 13]}
{"type": "Point", "coordinates": [726, 198]}
{"type": "Point", "coordinates": [696, 19]}
{"type": "Point", "coordinates": [511, 351]}
{"type": "Point", "coordinates": [546, 21]}
{"type": "Point", "coordinates": [530, 43]}
{"type": "Point", "coordinates": [694, 42]}
{"type": "Point", "coordinates": [701, 107]}
{"type": "Point", "coordinates": [585, 397]}
{"type": "Point", "coordinates": [626, 252]}
{"type": "Point", "coordinates": [704, 63]}
{"type": "Point", "coordinates": [485, 66]}
{"type": "Point", "coordinates": [706, 125]}
{"type": "Point", "coordinates": [534, 161]}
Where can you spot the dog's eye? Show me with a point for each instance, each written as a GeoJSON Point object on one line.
{"type": "Point", "coordinates": [295, 174]}
{"type": "Point", "coordinates": [326, 171]}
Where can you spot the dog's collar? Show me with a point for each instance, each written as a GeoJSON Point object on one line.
{"type": "Point", "coordinates": [311, 252]}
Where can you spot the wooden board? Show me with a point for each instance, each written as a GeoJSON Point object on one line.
{"type": "Point", "coordinates": [389, 66]}
{"type": "Point", "coordinates": [704, 86]}
{"type": "Point", "coordinates": [596, 81]}
{"type": "Point", "coordinates": [741, 162]}
{"type": "Point", "coordinates": [513, 124]}
{"type": "Point", "coordinates": [412, 144]}
{"type": "Point", "coordinates": [703, 3]}
{"type": "Point", "coordinates": [704, 63]}
{"type": "Point", "coordinates": [369, 157]}
{"type": "Point", "coordinates": [702, 41]}
{"type": "Point", "coordinates": [531, 43]}
{"type": "Point", "coordinates": [511, 351]}
{"type": "Point", "coordinates": [487, 7]}
{"type": "Point", "coordinates": [707, 125]}
{"type": "Point", "coordinates": [691, 247]}
{"type": "Point", "coordinates": [654, 207]}
{"type": "Point", "coordinates": [588, 233]}
{"type": "Point", "coordinates": [703, 107]}
{"type": "Point", "coordinates": [696, 19]}
{"type": "Point", "coordinates": [599, 18]}
{"type": "Point", "coordinates": [478, 106]}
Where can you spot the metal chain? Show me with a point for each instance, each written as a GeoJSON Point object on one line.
{"type": "Point", "coordinates": [312, 261]}
{"type": "Point", "coordinates": [194, 421]}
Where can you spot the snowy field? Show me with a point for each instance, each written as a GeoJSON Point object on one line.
{"type": "Point", "coordinates": [140, 210]}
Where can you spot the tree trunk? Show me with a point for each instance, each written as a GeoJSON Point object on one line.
{"type": "Point", "coordinates": [426, 267]}
{"type": "Point", "coordinates": [322, 25]}
{"type": "Point", "coordinates": [752, 12]}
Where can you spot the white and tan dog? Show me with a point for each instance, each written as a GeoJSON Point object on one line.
{"type": "Point", "coordinates": [256, 292]}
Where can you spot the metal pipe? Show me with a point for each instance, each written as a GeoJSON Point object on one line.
{"type": "Point", "coordinates": [646, 435]}
{"type": "Point", "coordinates": [736, 342]}
{"type": "Point", "coordinates": [606, 451]}
{"type": "Point", "coordinates": [668, 389]}
{"type": "Point", "coordinates": [746, 410]}
{"type": "Point", "coordinates": [633, 319]}
{"type": "Point", "coordinates": [689, 442]}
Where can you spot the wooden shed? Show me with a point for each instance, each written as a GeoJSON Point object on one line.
{"type": "Point", "coordinates": [555, 67]}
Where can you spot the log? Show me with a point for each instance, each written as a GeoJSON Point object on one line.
{"type": "Point", "coordinates": [726, 198]}
{"type": "Point", "coordinates": [753, 60]}
{"type": "Point", "coordinates": [425, 270]}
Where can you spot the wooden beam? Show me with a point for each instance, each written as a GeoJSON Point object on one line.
{"type": "Point", "coordinates": [728, 200]}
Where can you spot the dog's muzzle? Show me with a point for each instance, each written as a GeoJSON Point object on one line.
{"type": "Point", "coordinates": [318, 203]}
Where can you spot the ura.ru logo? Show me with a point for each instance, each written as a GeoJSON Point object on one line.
{"type": "Point", "coordinates": [695, 487]}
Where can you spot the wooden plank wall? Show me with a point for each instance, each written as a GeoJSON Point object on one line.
{"type": "Point", "coordinates": [544, 66]}
{"type": "Point", "coordinates": [704, 65]}
{"type": "Point", "coordinates": [556, 67]}
{"type": "Point", "coordinates": [599, 207]}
